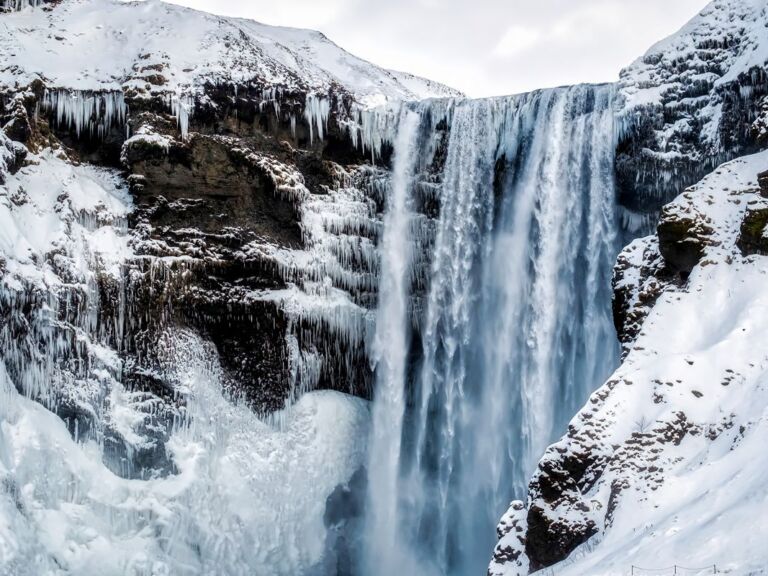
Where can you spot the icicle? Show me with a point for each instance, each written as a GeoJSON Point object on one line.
{"type": "Point", "coordinates": [182, 107]}
{"type": "Point", "coordinates": [316, 112]}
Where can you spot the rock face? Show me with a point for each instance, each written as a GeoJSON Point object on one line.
{"type": "Point", "coordinates": [249, 214]}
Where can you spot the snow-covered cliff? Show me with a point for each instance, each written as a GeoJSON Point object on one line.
{"type": "Point", "coordinates": [692, 102]}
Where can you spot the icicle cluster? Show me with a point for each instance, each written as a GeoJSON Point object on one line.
{"type": "Point", "coordinates": [271, 96]}
{"type": "Point", "coordinates": [182, 107]}
{"type": "Point", "coordinates": [370, 129]}
{"type": "Point", "coordinates": [17, 5]}
{"type": "Point", "coordinates": [317, 110]}
{"type": "Point", "coordinates": [94, 113]}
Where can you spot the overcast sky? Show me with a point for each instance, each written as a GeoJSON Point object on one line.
{"type": "Point", "coordinates": [482, 47]}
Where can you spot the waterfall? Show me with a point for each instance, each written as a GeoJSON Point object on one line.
{"type": "Point", "coordinates": [515, 329]}
{"type": "Point", "coordinates": [390, 353]}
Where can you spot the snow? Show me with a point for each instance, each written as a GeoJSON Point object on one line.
{"type": "Point", "coordinates": [51, 205]}
{"type": "Point", "coordinates": [699, 368]}
{"type": "Point", "coordinates": [249, 497]}
{"type": "Point", "coordinates": [109, 45]}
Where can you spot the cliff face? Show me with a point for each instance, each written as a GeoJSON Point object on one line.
{"type": "Point", "coordinates": [247, 215]}
{"type": "Point", "coordinates": [693, 101]}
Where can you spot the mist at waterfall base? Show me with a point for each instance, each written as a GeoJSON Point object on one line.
{"type": "Point", "coordinates": [494, 320]}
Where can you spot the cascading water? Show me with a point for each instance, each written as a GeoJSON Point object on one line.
{"type": "Point", "coordinates": [516, 326]}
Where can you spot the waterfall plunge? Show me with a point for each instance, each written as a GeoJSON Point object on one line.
{"type": "Point", "coordinates": [391, 350]}
{"type": "Point", "coordinates": [515, 330]}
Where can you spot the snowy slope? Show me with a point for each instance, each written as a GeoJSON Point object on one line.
{"type": "Point", "coordinates": [722, 24]}
{"type": "Point", "coordinates": [666, 462]}
{"type": "Point", "coordinates": [112, 45]}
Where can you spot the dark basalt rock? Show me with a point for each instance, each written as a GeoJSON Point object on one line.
{"type": "Point", "coordinates": [559, 483]}
{"type": "Point", "coordinates": [682, 239]}
{"type": "Point", "coordinates": [548, 542]}
{"type": "Point", "coordinates": [232, 192]}
{"type": "Point", "coordinates": [762, 180]}
{"type": "Point", "coordinates": [679, 244]}
{"type": "Point", "coordinates": [752, 239]}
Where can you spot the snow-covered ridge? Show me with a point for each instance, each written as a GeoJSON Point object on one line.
{"type": "Point", "coordinates": [684, 73]}
{"type": "Point", "coordinates": [727, 38]}
{"type": "Point", "coordinates": [692, 102]}
{"type": "Point", "coordinates": [110, 45]}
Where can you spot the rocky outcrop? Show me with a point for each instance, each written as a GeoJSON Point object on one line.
{"type": "Point", "coordinates": [752, 237]}
{"type": "Point", "coordinates": [639, 278]}
{"type": "Point", "coordinates": [683, 234]}
{"type": "Point", "coordinates": [510, 551]}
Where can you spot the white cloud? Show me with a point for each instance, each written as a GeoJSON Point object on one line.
{"type": "Point", "coordinates": [517, 39]}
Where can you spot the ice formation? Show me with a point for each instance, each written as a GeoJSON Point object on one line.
{"type": "Point", "coordinates": [17, 5]}
{"type": "Point", "coordinates": [82, 111]}
{"type": "Point", "coordinates": [316, 111]}
{"type": "Point", "coordinates": [182, 107]}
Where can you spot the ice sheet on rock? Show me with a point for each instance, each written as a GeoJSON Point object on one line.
{"type": "Point", "coordinates": [249, 497]}
{"type": "Point", "coordinates": [51, 206]}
